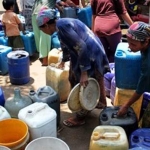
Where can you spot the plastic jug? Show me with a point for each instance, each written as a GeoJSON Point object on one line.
{"type": "Point", "coordinates": [122, 95]}
{"type": "Point", "coordinates": [126, 72]}
{"type": "Point", "coordinates": [2, 99]}
{"type": "Point", "coordinates": [140, 138]}
{"type": "Point", "coordinates": [54, 56]}
{"type": "Point", "coordinates": [40, 118]}
{"type": "Point", "coordinates": [108, 116]}
{"type": "Point", "coordinates": [47, 95]}
{"type": "Point", "coordinates": [17, 102]}
{"type": "Point", "coordinates": [58, 80]}
{"type": "Point", "coordinates": [113, 90]}
{"type": "Point", "coordinates": [108, 77]}
{"type": "Point", "coordinates": [18, 67]}
{"type": "Point", "coordinates": [55, 43]}
{"type": "Point", "coordinates": [146, 100]}
{"type": "Point", "coordinates": [108, 138]}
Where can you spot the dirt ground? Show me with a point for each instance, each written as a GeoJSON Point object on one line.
{"type": "Point", "coordinates": [77, 138]}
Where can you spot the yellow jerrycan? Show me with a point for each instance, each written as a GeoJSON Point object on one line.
{"type": "Point", "coordinates": [109, 138]}
{"type": "Point", "coordinates": [58, 80]}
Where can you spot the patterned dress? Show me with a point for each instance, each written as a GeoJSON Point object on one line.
{"type": "Point", "coordinates": [81, 47]}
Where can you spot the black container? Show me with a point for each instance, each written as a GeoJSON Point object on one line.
{"type": "Point", "coordinates": [128, 122]}
{"type": "Point", "coordinates": [47, 95]}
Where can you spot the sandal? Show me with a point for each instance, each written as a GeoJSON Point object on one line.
{"type": "Point", "coordinates": [100, 106]}
{"type": "Point", "coordinates": [73, 122]}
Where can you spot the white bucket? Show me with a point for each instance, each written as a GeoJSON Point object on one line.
{"type": "Point", "coordinates": [4, 148]}
{"type": "Point", "coordinates": [47, 143]}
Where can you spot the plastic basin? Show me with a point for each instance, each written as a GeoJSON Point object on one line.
{"type": "Point", "coordinates": [47, 143]}
{"type": "Point", "coordinates": [12, 132]}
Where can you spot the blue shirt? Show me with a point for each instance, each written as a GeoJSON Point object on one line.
{"type": "Point", "coordinates": [81, 46]}
{"type": "Point", "coordinates": [144, 80]}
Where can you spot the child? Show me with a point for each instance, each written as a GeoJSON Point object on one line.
{"type": "Point", "coordinates": [12, 26]}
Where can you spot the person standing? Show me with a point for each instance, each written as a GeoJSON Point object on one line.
{"type": "Point", "coordinates": [25, 9]}
{"type": "Point", "coordinates": [42, 40]}
{"type": "Point", "coordinates": [84, 50]}
{"type": "Point", "coordinates": [12, 26]}
{"type": "Point", "coordinates": [138, 36]}
{"type": "Point", "coordinates": [106, 23]}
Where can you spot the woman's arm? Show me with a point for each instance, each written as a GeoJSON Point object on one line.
{"type": "Point", "coordinates": [127, 18]}
{"type": "Point", "coordinates": [93, 21]}
{"type": "Point", "coordinates": [124, 108]}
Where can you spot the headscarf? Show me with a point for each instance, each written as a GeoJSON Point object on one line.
{"type": "Point", "coordinates": [139, 31]}
{"type": "Point", "coordinates": [45, 15]}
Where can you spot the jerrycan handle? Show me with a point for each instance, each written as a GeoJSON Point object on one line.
{"type": "Point", "coordinates": [107, 135]}
{"type": "Point", "coordinates": [41, 91]}
{"type": "Point", "coordinates": [114, 115]}
{"type": "Point", "coordinates": [56, 66]}
{"type": "Point", "coordinates": [37, 109]}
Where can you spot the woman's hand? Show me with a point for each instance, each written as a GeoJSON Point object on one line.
{"type": "Point", "coordinates": [84, 79]}
{"type": "Point", "coordinates": [61, 65]}
{"type": "Point", "coordinates": [122, 111]}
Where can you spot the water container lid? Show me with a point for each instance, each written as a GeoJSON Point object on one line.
{"type": "Point", "coordinates": [90, 95]}
{"type": "Point", "coordinates": [17, 54]}
{"type": "Point", "coordinates": [37, 114]}
{"type": "Point", "coordinates": [73, 99]}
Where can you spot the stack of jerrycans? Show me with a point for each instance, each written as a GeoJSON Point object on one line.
{"type": "Point", "coordinates": [127, 73]}
{"type": "Point", "coordinates": [28, 40]}
{"type": "Point", "coordinates": [4, 50]}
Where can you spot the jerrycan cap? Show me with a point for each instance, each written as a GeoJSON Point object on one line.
{"type": "Point", "coordinates": [104, 117]}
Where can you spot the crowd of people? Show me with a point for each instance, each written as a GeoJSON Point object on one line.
{"type": "Point", "coordinates": [89, 50]}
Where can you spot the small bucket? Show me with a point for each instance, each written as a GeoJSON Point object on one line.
{"type": "Point", "coordinates": [4, 148]}
{"type": "Point", "coordinates": [13, 132]}
{"type": "Point", "coordinates": [47, 143]}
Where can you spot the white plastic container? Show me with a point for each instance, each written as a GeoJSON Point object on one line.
{"type": "Point", "coordinates": [4, 113]}
{"type": "Point", "coordinates": [109, 138]}
{"type": "Point", "coordinates": [47, 143]}
{"type": "Point", "coordinates": [4, 148]}
{"type": "Point", "coordinates": [40, 118]}
{"type": "Point", "coordinates": [58, 79]}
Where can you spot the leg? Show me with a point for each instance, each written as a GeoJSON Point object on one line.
{"type": "Point", "coordinates": [113, 41]}
{"type": "Point", "coordinates": [105, 45]}
{"type": "Point", "coordinates": [102, 101]}
{"type": "Point", "coordinates": [78, 120]}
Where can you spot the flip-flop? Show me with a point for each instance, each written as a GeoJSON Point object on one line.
{"type": "Point", "coordinates": [71, 122]}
